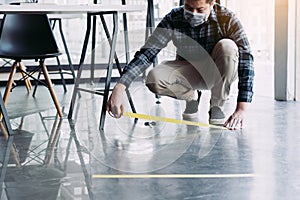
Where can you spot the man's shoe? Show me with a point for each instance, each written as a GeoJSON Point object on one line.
{"type": "Point", "coordinates": [216, 116]}
{"type": "Point", "coordinates": [191, 108]}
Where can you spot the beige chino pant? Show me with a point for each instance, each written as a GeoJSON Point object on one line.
{"type": "Point", "coordinates": [180, 78]}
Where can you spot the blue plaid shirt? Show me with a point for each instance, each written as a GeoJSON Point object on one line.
{"type": "Point", "coordinates": [221, 24]}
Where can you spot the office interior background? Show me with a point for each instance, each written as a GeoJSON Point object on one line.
{"type": "Point", "coordinates": [260, 15]}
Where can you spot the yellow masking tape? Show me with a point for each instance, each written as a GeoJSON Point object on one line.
{"type": "Point", "coordinates": [171, 120]}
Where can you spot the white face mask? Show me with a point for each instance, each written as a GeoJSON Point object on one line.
{"type": "Point", "coordinates": [195, 19]}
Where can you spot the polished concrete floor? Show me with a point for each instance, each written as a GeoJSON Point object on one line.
{"type": "Point", "coordinates": [52, 158]}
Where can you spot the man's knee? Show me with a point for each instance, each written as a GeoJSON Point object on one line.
{"type": "Point", "coordinates": [226, 56]}
{"type": "Point", "coordinates": [153, 81]}
{"type": "Point", "coordinates": [226, 47]}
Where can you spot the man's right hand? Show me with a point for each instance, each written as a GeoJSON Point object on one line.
{"type": "Point", "coordinates": [115, 104]}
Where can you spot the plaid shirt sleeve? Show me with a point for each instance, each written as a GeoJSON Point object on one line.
{"type": "Point", "coordinates": [146, 55]}
{"type": "Point", "coordinates": [233, 29]}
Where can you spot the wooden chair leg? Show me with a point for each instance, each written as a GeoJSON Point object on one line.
{"type": "Point", "coordinates": [10, 82]}
{"type": "Point", "coordinates": [26, 80]}
{"type": "Point", "coordinates": [9, 85]}
{"type": "Point", "coordinates": [50, 87]}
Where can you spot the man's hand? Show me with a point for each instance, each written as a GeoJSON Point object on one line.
{"type": "Point", "coordinates": [235, 121]}
{"type": "Point", "coordinates": [115, 105]}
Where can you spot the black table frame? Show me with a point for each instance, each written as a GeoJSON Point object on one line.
{"type": "Point", "coordinates": [112, 39]}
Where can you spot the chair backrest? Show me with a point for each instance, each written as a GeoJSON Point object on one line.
{"type": "Point", "coordinates": [27, 36]}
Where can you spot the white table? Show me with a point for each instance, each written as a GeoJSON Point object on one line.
{"type": "Point", "coordinates": [40, 8]}
{"type": "Point", "coordinates": [91, 10]}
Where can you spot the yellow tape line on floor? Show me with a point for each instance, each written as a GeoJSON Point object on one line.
{"type": "Point", "coordinates": [171, 120]}
{"type": "Point", "coordinates": [143, 176]}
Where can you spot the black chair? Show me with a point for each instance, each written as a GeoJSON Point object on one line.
{"type": "Point", "coordinates": [53, 21]}
{"type": "Point", "coordinates": [27, 37]}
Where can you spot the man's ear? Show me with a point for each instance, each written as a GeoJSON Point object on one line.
{"type": "Point", "coordinates": [212, 2]}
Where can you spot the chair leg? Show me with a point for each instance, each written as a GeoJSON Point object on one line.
{"type": "Point", "coordinates": [9, 87]}
{"type": "Point", "coordinates": [50, 87]}
{"type": "Point", "coordinates": [10, 82]}
{"type": "Point", "coordinates": [26, 80]}
{"type": "Point", "coordinates": [36, 83]}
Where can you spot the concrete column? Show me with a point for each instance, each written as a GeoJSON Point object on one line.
{"type": "Point", "coordinates": [297, 85]}
{"type": "Point", "coordinates": [285, 49]}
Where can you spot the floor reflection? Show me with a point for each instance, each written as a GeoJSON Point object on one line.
{"type": "Point", "coordinates": [40, 164]}
{"type": "Point", "coordinates": [52, 158]}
